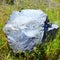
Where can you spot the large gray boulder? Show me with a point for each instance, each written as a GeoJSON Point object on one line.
{"type": "Point", "coordinates": [26, 28]}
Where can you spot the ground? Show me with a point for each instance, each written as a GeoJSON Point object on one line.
{"type": "Point", "coordinates": [49, 50]}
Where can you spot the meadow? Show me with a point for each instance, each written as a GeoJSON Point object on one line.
{"type": "Point", "coordinates": [49, 50]}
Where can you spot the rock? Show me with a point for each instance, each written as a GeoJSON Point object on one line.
{"type": "Point", "coordinates": [26, 28]}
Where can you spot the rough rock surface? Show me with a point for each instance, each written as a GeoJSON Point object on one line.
{"type": "Point", "coordinates": [26, 28]}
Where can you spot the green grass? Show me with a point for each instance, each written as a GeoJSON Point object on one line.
{"type": "Point", "coordinates": [47, 51]}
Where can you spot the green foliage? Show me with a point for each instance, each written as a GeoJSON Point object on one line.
{"type": "Point", "coordinates": [49, 50]}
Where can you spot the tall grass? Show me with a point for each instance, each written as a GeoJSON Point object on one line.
{"type": "Point", "coordinates": [48, 50]}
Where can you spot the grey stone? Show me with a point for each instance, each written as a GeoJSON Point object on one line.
{"type": "Point", "coordinates": [25, 29]}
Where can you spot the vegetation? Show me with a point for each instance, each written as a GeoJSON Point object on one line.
{"type": "Point", "coordinates": [48, 50]}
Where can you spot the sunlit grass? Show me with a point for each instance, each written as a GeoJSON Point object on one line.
{"type": "Point", "coordinates": [47, 51]}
